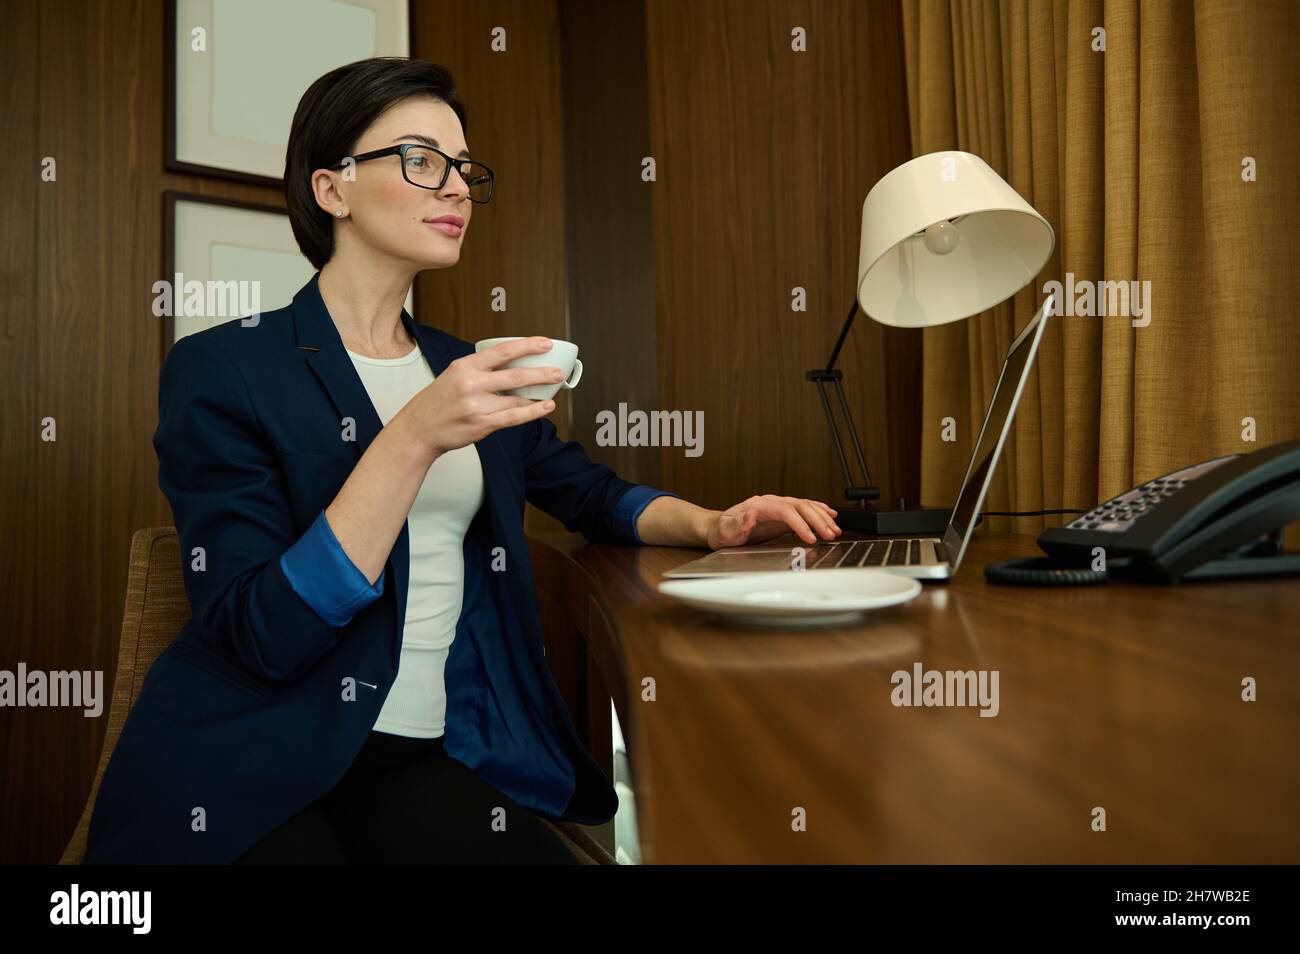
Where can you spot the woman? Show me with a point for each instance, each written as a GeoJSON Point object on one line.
{"type": "Point", "coordinates": [362, 679]}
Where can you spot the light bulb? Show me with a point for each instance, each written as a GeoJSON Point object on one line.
{"type": "Point", "coordinates": [941, 238]}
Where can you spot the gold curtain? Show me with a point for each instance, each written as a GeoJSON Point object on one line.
{"type": "Point", "coordinates": [1135, 155]}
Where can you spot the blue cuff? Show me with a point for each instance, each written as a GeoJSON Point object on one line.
{"type": "Point", "coordinates": [320, 572]}
{"type": "Point", "coordinates": [631, 504]}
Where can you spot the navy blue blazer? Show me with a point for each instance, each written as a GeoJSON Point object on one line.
{"type": "Point", "coordinates": [247, 718]}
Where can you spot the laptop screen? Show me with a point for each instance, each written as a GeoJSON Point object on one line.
{"type": "Point", "coordinates": [997, 424]}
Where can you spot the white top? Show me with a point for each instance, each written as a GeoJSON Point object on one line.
{"type": "Point", "coordinates": [451, 494]}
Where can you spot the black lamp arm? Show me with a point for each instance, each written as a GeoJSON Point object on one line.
{"type": "Point", "coordinates": [867, 490]}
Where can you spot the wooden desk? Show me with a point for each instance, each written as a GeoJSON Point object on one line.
{"type": "Point", "coordinates": [1119, 696]}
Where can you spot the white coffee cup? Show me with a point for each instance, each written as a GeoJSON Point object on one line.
{"type": "Point", "coordinates": [563, 355]}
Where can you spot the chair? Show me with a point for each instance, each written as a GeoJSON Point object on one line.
{"type": "Point", "coordinates": [156, 609]}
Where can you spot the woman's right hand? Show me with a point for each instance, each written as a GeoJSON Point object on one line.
{"type": "Point", "coordinates": [461, 406]}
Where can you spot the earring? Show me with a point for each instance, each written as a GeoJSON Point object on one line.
{"type": "Point", "coordinates": [339, 213]}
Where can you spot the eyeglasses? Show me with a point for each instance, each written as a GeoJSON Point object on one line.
{"type": "Point", "coordinates": [428, 168]}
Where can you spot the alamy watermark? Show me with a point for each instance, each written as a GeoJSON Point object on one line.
{"type": "Point", "coordinates": [948, 687]}
{"type": "Point", "coordinates": [83, 689]}
{"type": "Point", "coordinates": [651, 429]}
{"type": "Point", "coordinates": [1100, 299]}
{"type": "Point", "coordinates": [75, 906]}
{"type": "Point", "coordinates": [211, 299]}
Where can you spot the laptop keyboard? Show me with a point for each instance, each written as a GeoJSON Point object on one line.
{"type": "Point", "coordinates": [864, 553]}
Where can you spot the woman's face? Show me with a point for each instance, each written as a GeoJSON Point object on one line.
{"type": "Point", "coordinates": [390, 215]}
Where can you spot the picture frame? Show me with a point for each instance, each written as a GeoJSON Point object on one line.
{"type": "Point", "coordinates": [230, 104]}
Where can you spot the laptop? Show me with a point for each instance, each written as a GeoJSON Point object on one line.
{"type": "Point", "coordinates": [925, 558]}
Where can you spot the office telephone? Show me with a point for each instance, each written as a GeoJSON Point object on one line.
{"type": "Point", "coordinates": [1220, 518]}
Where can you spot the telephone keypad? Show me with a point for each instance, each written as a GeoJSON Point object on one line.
{"type": "Point", "coordinates": [1117, 515]}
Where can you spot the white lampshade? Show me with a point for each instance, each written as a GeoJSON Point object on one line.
{"type": "Point", "coordinates": [984, 241]}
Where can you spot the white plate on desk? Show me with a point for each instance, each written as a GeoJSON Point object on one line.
{"type": "Point", "coordinates": [794, 597]}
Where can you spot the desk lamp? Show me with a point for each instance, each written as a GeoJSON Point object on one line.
{"type": "Point", "coordinates": [944, 237]}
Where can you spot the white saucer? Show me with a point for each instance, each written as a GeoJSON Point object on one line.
{"type": "Point", "coordinates": [794, 597]}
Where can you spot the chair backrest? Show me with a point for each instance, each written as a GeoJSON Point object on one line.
{"type": "Point", "coordinates": [156, 609]}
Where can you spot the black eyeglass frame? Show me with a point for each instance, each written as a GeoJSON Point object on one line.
{"type": "Point", "coordinates": [401, 150]}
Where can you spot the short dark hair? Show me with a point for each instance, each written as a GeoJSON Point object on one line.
{"type": "Point", "coordinates": [332, 116]}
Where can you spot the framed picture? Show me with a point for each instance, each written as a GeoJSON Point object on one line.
{"type": "Point", "coordinates": [237, 68]}
{"type": "Point", "coordinates": [226, 260]}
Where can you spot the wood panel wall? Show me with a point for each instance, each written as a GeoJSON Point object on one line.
{"type": "Point", "coordinates": [678, 290]}
{"type": "Point", "coordinates": [609, 232]}
{"type": "Point", "coordinates": [78, 257]}
{"type": "Point", "coordinates": [764, 157]}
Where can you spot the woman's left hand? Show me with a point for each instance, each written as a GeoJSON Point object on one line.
{"type": "Point", "coordinates": [768, 516]}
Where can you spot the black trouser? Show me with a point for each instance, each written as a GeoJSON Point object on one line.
{"type": "Point", "coordinates": [405, 801]}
